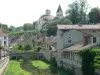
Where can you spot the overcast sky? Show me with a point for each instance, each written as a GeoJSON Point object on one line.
{"type": "Point", "coordinates": [18, 12]}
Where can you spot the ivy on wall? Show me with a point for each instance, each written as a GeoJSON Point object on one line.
{"type": "Point", "coordinates": [88, 57]}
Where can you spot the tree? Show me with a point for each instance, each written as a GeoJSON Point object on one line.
{"type": "Point", "coordinates": [77, 12]}
{"type": "Point", "coordinates": [28, 26]}
{"type": "Point", "coordinates": [52, 25]}
{"type": "Point", "coordinates": [11, 29]}
{"type": "Point", "coordinates": [93, 15]}
{"type": "Point", "coordinates": [73, 12]}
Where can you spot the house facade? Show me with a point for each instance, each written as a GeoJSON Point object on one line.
{"type": "Point", "coordinates": [4, 50]}
{"type": "Point", "coordinates": [3, 38]}
{"type": "Point", "coordinates": [70, 40]}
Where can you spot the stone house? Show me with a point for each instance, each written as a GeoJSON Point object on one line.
{"type": "Point", "coordinates": [3, 38]}
{"type": "Point", "coordinates": [70, 40]}
{"type": "Point", "coordinates": [4, 50]}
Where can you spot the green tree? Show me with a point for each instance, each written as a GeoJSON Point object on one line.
{"type": "Point", "coordinates": [52, 25]}
{"type": "Point", "coordinates": [77, 12]}
{"type": "Point", "coordinates": [93, 15]}
{"type": "Point", "coordinates": [28, 26]}
{"type": "Point", "coordinates": [11, 29]}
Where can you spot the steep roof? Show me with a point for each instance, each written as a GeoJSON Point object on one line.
{"type": "Point", "coordinates": [3, 32]}
{"type": "Point", "coordinates": [59, 9]}
{"type": "Point", "coordinates": [65, 27]}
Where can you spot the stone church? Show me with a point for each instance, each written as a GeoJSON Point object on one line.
{"type": "Point", "coordinates": [41, 23]}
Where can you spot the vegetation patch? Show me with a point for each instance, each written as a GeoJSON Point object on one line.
{"type": "Point", "coordinates": [40, 64]}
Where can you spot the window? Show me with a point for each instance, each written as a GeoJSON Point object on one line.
{"type": "Point", "coordinates": [94, 31]}
{"type": "Point", "coordinates": [94, 40]}
{"type": "Point", "coordinates": [5, 43]}
{"type": "Point", "coordinates": [70, 40]}
{"type": "Point", "coordinates": [5, 37]}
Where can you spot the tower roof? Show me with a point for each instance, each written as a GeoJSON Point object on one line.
{"type": "Point", "coordinates": [59, 9]}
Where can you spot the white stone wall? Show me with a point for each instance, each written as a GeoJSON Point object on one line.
{"type": "Point", "coordinates": [2, 40]}
{"type": "Point", "coordinates": [94, 33]}
{"type": "Point", "coordinates": [47, 54]}
{"type": "Point", "coordinates": [75, 36]}
{"type": "Point", "coordinates": [59, 14]}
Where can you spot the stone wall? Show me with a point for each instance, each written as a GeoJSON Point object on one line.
{"type": "Point", "coordinates": [47, 54]}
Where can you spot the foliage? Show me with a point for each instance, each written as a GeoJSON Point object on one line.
{"type": "Point", "coordinates": [3, 26]}
{"type": "Point", "coordinates": [97, 58]}
{"type": "Point", "coordinates": [27, 47]}
{"type": "Point", "coordinates": [34, 32]}
{"type": "Point", "coordinates": [53, 61]}
{"type": "Point", "coordinates": [77, 12]}
{"type": "Point", "coordinates": [11, 29]}
{"type": "Point", "coordinates": [93, 15]}
{"type": "Point", "coordinates": [90, 61]}
{"type": "Point", "coordinates": [19, 47]}
{"type": "Point", "coordinates": [40, 64]}
{"type": "Point", "coordinates": [52, 25]}
{"type": "Point", "coordinates": [15, 69]}
{"type": "Point", "coordinates": [38, 48]}
{"type": "Point", "coordinates": [28, 26]}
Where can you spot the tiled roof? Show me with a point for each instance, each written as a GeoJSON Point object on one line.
{"type": "Point", "coordinates": [3, 32]}
{"type": "Point", "coordinates": [97, 26]}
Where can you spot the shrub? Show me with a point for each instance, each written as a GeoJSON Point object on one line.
{"type": "Point", "coordinates": [27, 47]}
{"type": "Point", "coordinates": [20, 47]}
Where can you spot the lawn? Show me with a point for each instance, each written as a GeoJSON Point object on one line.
{"type": "Point", "coordinates": [26, 68]}
{"type": "Point", "coordinates": [35, 67]}
{"type": "Point", "coordinates": [40, 64]}
{"type": "Point", "coordinates": [15, 69]}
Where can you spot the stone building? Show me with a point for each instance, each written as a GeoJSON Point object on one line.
{"type": "Point", "coordinates": [47, 17]}
{"type": "Point", "coordinates": [4, 50]}
{"type": "Point", "coordinates": [70, 40]}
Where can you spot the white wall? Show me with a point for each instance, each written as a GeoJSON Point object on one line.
{"type": "Point", "coordinates": [76, 36]}
{"type": "Point", "coordinates": [94, 34]}
{"type": "Point", "coordinates": [2, 40]}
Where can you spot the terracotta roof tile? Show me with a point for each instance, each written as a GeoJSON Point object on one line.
{"type": "Point", "coordinates": [3, 32]}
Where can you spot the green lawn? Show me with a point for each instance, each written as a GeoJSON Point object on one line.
{"type": "Point", "coordinates": [15, 69]}
{"type": "Point", "coordinates": [40, 64]}
{"type": "Point", "coordinates": [35, 67]}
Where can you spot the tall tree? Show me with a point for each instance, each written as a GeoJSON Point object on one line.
{"type": "Point", "coordinates": [94, 15]}
{"type": "Point", "coordinates": [28, 26]}
{"type": "Point", "coordinates": [77, 11]}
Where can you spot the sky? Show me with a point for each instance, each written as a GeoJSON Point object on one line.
{"type": "Point", "coordinates": [18, 12]}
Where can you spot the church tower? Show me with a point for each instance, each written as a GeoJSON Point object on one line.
{"type": "Point", "coordinates": [48, 12]}
{"type": "Point", "coordinates": [59, 12]}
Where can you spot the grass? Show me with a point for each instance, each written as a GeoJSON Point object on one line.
{"type": "Point", "coordinates": [35, 67]}
{"type": "Point", "coordinates": [15, 69]}
{"type": "Point", "coordinates": [40, 64]}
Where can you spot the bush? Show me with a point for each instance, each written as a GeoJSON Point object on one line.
{"type": "Point", "coordinates": [27, 47]}
{"type": "Point", "coordinates": [20, 47]}
{"type": "Point", "coordinates": [38, 48]}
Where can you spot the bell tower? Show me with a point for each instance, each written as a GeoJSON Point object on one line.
{"type": "Point", "coordinates": [59, 12]}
